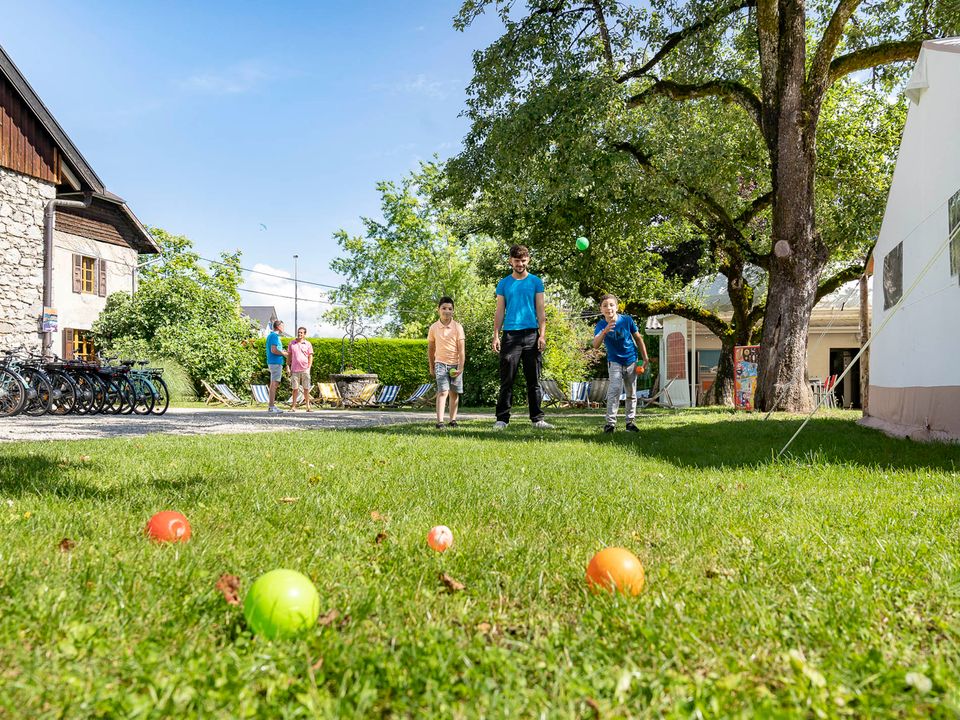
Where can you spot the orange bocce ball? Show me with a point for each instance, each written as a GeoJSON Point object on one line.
{"type": "Point", "coordinates": [440, 538]}
{"type": "Point", "coordinates": [168, 526]}
{"type": "Point", "coordinates": [616, 570]}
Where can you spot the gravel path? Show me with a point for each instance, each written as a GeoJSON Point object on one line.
{"type": "Point", "coordinates": [200, 421]}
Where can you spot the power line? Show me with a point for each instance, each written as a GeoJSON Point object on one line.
{"type": "Point", "coordinates": [273, 275]}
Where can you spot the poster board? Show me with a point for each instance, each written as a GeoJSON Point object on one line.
{"type": "Point", "coordinates": [745, 363]}
{"type": "Point", "coordinates": [48, 323]}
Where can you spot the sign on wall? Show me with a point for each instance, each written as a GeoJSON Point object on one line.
{"type": "Point", "coordinates": [746, 360]}
{"type": "Point", "coordinates": [48, 323]}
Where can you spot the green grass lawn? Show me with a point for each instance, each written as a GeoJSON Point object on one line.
{"type": "Point", "coordinates": [824, 585]}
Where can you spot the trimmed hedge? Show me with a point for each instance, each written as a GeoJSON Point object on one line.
{"type": "Point", "coordinates": [396, 362]}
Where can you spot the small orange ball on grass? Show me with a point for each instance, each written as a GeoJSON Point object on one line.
{"type": "Point", "coordinates": [168, 526]}
{"type": "Point", "coordinates": [440, 538]}
{"type": "Point", "coordinates": [615, 569]}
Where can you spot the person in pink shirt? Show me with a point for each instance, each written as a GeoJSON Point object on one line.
{"type": "Point", "coordinates": [301, 360]}
{"type": "Point", "coordinates": [447, 356]}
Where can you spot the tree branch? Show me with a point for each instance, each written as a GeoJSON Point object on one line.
{"type": "Point", "coordinates": [759, 204]}
{"type": "Point", "coordinates": [604, 33]}
{"type": "Point", "coordinates": [723, 89]}
{"type": "Point", "coordinates": [819, 72]}
{"type": "Point", "coordinates": [679, 36]}
{"type": "Point", "coordinates": [881, 54]}
{"type": "Point", "coordinates": [849, 273]}
{"type": "Point", "coordinates": [711, 320]}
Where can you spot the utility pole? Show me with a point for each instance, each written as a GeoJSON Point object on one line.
{"type": "Point", "coordinates": [296, 323]}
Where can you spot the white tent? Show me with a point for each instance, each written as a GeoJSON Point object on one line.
{"type": "Point", "coordinates": [915, 358]}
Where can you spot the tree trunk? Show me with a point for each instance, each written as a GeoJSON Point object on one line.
{"type": "Point", "coordinates": [721, 392]}
{"type": "Point", "coordinates": [864, 339]}
{"type": "Point", "coordinates": [794, 272]}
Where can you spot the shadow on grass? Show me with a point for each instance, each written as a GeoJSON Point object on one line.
{"type": "Point", "coordinates": [35, 475]}
{"type": "Point", "coordinates": [720, 438]}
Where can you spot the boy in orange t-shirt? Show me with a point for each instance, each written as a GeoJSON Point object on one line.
{"type": "Point", "coordinates": [446, 352]}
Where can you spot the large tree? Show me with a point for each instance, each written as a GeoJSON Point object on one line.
{"type": "Point", "coordinates": [598, 74]}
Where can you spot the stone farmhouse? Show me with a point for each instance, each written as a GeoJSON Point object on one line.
{"type": "Point", "coordinates": [66, 242]}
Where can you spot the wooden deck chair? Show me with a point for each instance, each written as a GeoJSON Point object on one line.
{"type": "Point", "coordinates": [387, 396]}
{"type": "Point", "coordinates": [552, 394]}
{"type": "Point", "coordinates": [329, 394]}
{"type": "Point", "coordinates": [364, 398]}
{"type": "Point", "coordinates": [579, 394]}
{"type": "Point", "coordinates": [213, 396]}
{"type": "Point", "coordinates": [261, 394]}
{"type": "Point", "coordinates": [229, 394]}
{"type": "Point", "coordinates": [419, 396]}
{"type": "Point", "coordinates": [598, 393]}
{"type": "Point", "coordinates": [660, 398]}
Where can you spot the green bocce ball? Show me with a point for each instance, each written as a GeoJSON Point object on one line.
{"type": "Point", "coordinates": [281, 604]}
{"type": "Point", "coordinates": [582, 244]}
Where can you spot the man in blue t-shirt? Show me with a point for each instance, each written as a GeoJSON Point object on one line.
{"type": "Point", "coordinates": [521, 316]}
{"type": "Point", "coordinates": [621, 337]}
{"type": "Point", "coordinates": [275, 356]}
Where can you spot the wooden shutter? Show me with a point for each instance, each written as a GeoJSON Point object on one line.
{"type": "Point", "coordinates": [102, 277]}
{"type": "Point", "coordinates": [77, 274]}
{"type": "Point", "coordinates": [68, 343]}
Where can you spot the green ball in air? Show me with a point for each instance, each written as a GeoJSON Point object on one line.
{"type": "Point", "coordinates": [582, 244]}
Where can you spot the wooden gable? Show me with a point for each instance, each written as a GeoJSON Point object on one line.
{"type": "Point", "coordinates": [25, 146]}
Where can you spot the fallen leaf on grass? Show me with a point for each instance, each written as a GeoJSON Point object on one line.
{"type": "Point", "coordinates": [317, 665]}
{"type": "Point", "coordinates": [593, 705]}
{"type": "Point", "coordinates": [453, 585]}
{"type": "Point", "coordinates": [720, 572]}
{"type": "Point", "coordinates": [229, 585]}
{"type": "Point", "coordinates": [314, 479]}
{"type": "Point", "coordinates": [289, 500]}
{"type": "Point", "coordinates": [328, 618]}
{"type": "Point", "coordinates": [84, 458]}
{"type": "Point", "coordinates": [484, 627]}
{"type": "Point", "coordinates": [66, 545]}
{"type": "Point", "coordinates": [381, 536]}
{"type": "Point", "coordinates": [377, 516]}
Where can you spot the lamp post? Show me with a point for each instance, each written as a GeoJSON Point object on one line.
{"type": "Point", "coordinates": [296, 323]}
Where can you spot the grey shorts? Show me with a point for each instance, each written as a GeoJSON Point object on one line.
{"type": "Point", "coordinates": [300, 379]}
{"type": "Point", "coordinates": [276, 372]}
{"type": "Point", "coordinates": [446, 383]}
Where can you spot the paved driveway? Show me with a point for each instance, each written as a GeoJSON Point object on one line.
{"type": "Point", "coordinates": [199, 421]}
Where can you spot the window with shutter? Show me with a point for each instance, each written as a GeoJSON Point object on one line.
{"type": "Point", "coordinates": [77, 273]}
{"type": "Point", "coordinates": [102, 277]}
{"type": "Point", "coordinates": [68, 343]}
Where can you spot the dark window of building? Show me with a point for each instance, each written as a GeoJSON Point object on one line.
{"type": "Point", "coordinates": [893, 277]}
{"type": "Point", "coordinates": [953, 214]}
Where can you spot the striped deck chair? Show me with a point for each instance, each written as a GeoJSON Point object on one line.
{"type": "Point", "coordinates": [552, 394]}
{"type": "Point", "coordinates": [261, 394]}
{"type": "Point", "coordinates": [363, 398]}
{"type": "Point", "coordinates": [579, 394]}
{"type": "Point", "coordinates": [419, 396]}
{"type": "Point", "coordinates": [598, 393]}
{"type": "Point", "coordinates": [329, 394]}
{"type": "Point", "coordinates": [212, 395]}
{"type": "Point", "coordinates": [660, 398]}
{"type": "Point", "coordinates": [387, 396]}
{"type": "Point", "coordinates": [229, 394]}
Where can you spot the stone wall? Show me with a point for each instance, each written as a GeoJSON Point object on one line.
{"type": "Point", "coordinates": [22, 201]}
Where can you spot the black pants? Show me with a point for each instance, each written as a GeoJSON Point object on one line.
{"type": "Point", "coordinates": [518, 346]}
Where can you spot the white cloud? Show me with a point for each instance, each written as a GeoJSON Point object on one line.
{"type": "Point", "coordinates": [312, 301]}
{"type": "Point", "coordinates": [233, 80]}
{"type": "Point", "coordinates": [420, 85]}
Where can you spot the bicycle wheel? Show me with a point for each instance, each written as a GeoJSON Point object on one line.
{"type": "Point", "coordinates": [144, 397]}
{"type": "Point", "coordinates": [64, 393]}
{"type": "Point", "coordinates": [163, 396]}
{"type": "Point", "coordinates": [114, 397]}
{"type": "Point", "coordinates": [42, 397]}
{"type": "Point", "coordinates": [13, 393]}
{"type": "Point", "coordinates": [85, 390]}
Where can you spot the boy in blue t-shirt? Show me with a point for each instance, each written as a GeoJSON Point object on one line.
{"type": "Point", "coordinates": [622, 338]}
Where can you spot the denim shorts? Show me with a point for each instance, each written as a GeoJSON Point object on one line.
{"type": "Point", "coordinates": [444, 381]}
{"type": "Point", "coordinates": [276, 372]}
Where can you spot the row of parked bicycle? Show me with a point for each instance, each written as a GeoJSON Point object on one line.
{"type": "Point", "coordinates": [34, 385]}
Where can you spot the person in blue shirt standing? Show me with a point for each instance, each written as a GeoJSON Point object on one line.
{"type": "Point", "coordinates": [521, 316]}
{"type": "Point", "coordinates": [621, 337]}
{"type": "Point", "coordinates": [275, 356]}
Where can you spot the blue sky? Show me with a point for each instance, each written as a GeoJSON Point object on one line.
{"type": "Point", "coordinates": [218, 119]}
